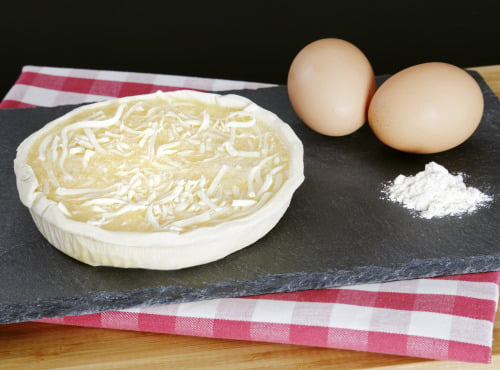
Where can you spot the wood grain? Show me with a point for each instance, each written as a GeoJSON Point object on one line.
{"type": "Point", "coordinates": [46, 346]}
{"type": "Point", "coordinates": [492, 75]}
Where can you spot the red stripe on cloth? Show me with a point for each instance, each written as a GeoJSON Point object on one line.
{"type": "Point", "coordinates": [447, 350]}
{"type": "Point", "coordinates": [93, 320]}
{"type": "Point", "coordinates": [475, 308]}
{"type": "Point", "coordinates": [41, 80]}
{"type": "Point", "coordinates": [389, 343]}
{"type": "Point", "coordinates": [156, 323]}
{"type": "Point", "coordinates": [90, 86]}
{"type": "Point", "coordinates": [468, 352]}
{"type": "Point", "coordinates": [480, 277]}
{"type": "Point", "coordinates": [6, 104]}
{"type": "Point", "coordinates": [232, 329]}
{"type": "Point", "coordinates": [90, 320]}
{"type": "Point", "coordinates": [401, 344]}
{"type": "Point", "coordinates": [306, 335]}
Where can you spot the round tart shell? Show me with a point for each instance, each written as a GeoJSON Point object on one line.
{"type": "Point", "coordinates": [160, 249]}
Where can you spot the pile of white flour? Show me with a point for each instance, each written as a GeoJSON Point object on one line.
{"type": "Point", "coordinates": [435, 192]}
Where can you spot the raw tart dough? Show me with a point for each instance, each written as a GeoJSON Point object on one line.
{"type": "Point", "coordinates": [159, 181]}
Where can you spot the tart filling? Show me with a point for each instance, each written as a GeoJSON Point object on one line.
{"type": "Point", "coordinates": [161, 181]}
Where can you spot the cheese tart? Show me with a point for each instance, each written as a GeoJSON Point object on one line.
{"type": "Point", "coordinates": [162, 181]}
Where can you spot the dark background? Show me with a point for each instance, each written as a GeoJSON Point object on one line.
{"type": "Point", "coordinates": [241, 40]}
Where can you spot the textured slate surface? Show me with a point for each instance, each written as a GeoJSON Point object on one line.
{"type": "Point", "coordinates": [337, 231]}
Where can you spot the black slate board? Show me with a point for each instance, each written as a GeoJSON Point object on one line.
{"type": "Point", "coordinates": [337, 231]}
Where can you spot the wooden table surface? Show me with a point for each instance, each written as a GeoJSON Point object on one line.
{"type": "Point", "coordinates": [48, 346]}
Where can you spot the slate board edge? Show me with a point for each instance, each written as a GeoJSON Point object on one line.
{"type": "Point", "coordinates": [109, 301]}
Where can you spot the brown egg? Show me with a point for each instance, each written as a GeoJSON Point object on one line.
{"type": "Point", "coordinates": [330, 84]}
{"type": "Point", "coordinates": [427, 108]}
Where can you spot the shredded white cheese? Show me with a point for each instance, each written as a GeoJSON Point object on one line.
{"type": "Point", "coordinates": [167, 166]}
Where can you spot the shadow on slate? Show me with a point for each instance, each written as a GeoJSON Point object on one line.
{"type": "Point", "coordinates": [337, 231]}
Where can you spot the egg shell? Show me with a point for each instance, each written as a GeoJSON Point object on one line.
{"type": "Point", "coordinates": [426, 108]}
{"type": "Point", "coordinates": [330, 83]}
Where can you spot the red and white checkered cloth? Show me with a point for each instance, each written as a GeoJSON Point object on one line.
{"type": "Point", "coordinates": [447, 318]}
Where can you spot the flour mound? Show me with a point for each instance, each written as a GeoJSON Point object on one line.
{"type": "Point", "coordinates": [435, 192]}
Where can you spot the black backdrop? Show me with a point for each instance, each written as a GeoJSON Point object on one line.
{"type": "Point", "coordinates": [241, 40]}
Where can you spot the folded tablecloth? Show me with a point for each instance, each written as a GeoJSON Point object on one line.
{"type": "Point", "coordinates": [440, 318]}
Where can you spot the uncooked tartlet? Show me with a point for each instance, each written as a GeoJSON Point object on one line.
{"type": "Point", "coordinates": [159, 181]}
